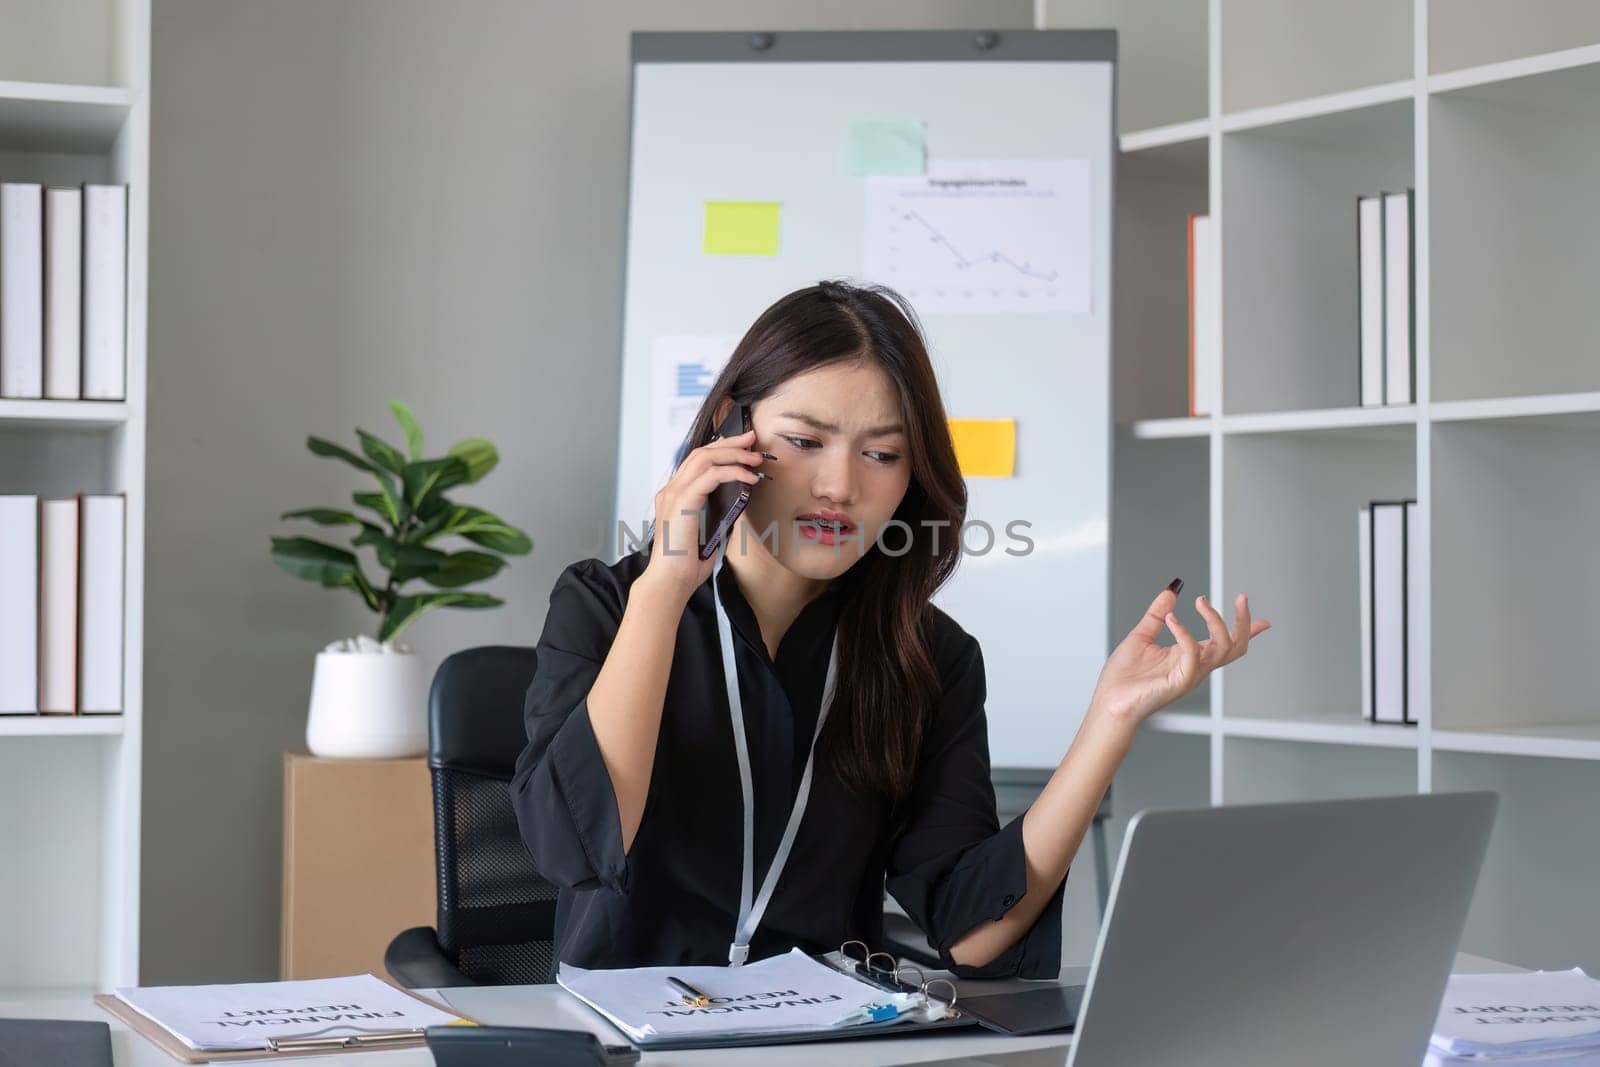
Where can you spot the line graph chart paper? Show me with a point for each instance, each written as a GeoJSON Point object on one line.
{"type": "Point", "coordinates": [983, 236]}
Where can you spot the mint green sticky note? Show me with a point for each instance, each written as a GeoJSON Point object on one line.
{"type": "Point", "coordinates": [892, 147]}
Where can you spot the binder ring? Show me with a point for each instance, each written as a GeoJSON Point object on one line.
{"type": "Point", "coordinates": [844, 950]}
{"type": "Point", "coordinates": [927, 991]}
{"type": "Point", "coordinates": [892, 969]}
{"type": "Point", "coordinates": [922, 979]}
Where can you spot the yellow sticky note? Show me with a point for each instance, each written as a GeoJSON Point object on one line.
{"type": "Point", "coordinates": [985, 448]}
{"type": "Point", "coordinates": [741, 228]}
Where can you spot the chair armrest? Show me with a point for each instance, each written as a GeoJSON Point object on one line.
{"type": "Point", "coordinates": [415, 960]}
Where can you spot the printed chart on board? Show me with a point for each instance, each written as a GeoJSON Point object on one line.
{"type": "Point", "coordinates": [983, 235]}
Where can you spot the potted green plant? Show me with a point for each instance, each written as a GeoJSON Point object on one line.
{"type": "Point", "coordinates": [369, 694]}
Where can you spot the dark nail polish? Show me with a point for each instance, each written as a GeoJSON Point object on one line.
{"type": "Point", "coordinates": [1176, 586]}
{"type": "Point", "coordinates": [770, 456]}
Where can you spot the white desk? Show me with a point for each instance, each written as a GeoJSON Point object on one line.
{"type": "Point", "coordinates": [548, 1005]}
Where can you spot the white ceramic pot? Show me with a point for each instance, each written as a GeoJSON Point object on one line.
{"type": "Point", "coordinates": [368, 705]}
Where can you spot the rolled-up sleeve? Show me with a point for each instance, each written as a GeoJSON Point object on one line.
{"type": "Point", "coordinates": [561, 790]}
{"type": "Point", "coordinates": [951, 865]}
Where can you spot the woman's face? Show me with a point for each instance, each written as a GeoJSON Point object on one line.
{"type": "Point", "coordinates": [842, 455]}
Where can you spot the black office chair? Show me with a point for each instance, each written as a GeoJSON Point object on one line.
{"type": "Point", "coordinates": [496, 918]}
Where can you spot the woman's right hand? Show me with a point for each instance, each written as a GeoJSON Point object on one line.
{"type": "Point", "coordinates": [675, 562]}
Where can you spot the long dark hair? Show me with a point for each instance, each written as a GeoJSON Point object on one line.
{"type": "Point", "coordinates": [889, 685]}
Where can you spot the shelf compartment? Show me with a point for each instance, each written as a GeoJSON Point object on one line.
{"type": "Point", "coordinates": [1534, 903]}
{"type": "Point", "coordinates": [1160, 530]}
{"type": "Point", "coordinates": [1515, 242]}
{"type": "Point", "coordinates": [1187, 718]}
{"type": "Point", "coordinates": [41, 117]}
{"type": "Point", "coordinates": [1556, 741]}
{"type": "Point", "coordinates": [1263, 771]}
{"type": "Point", "coordinates": [1164, 136]}
{"type": "Point", "coordinates": [59, 460]}
{"type": "Point", "coordinates": [1160, 771]}
{"type": "Point", "coordinates": [1156, 190]}
{"type": "Point", "coordinates": [1291, 321]}
{"type": "Point", "coordinates": [1478, 33]}
{"type": "Point", "coordinates": [1515, 521]}
{"type": "Point", "coordinates": [60, 725]}
{"type": "Point", "coordinates": [1290, 502]}
{"type": "Point", "coordinates": [52, 790]}
{"type": "Point", "coordinates": [1281, 50]}
{"type": "Point", "coordinates": [1553, 410]}
{"type": "Point", "coordinates": [1346, 730]}
{"type": "Point", "coordinates": [1397, 415]}
{"type": "Point", "coordinates": [1157, 429]}
{"type": "Point", "coordinates": [101, 414]}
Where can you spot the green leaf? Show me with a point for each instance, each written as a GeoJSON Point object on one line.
{"type": "Point", "coordinates": [328, 448]}
{"type": "Point", "coordinates": [408, 423]}
{"type": "Point", "coordinates": [477, 525]}
{"type": "Point", "coordinates": [407, 608]}
{"type": "Point", "coordinates": [426, 478]}
{"type": "Point", "coordinates": [330, 517]}
{"type": "Point", "coordinates": [380, 502]}
{"type": "Point", "coordinates": [406, 562]}
{"type": "Point", "coordinates": [314, 560]}
{"type": "Point", "coordinates": [382, 452]}
{"type": "Point", "coordinates": [478, 454]}
{"type": "Point", "coordinates": [464, 568]}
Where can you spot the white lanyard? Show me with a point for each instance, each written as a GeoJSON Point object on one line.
{"type": "Point", "coordinates": [750, 912]}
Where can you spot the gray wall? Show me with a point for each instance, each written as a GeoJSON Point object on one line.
{"type": "Point", "coordinates": [353, 200]}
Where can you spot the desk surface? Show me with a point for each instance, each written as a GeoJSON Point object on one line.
{"type": "Point", "coordinates": [548, 1005]}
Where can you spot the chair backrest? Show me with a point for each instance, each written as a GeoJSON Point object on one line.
{"type": "Point", "coordinates": [496, 915]}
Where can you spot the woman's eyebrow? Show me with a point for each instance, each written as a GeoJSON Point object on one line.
{"type": "Point", "coordinates": [828, 427]}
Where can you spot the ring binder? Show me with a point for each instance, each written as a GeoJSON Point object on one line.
{"type": "Point", "coordinates": [865, 970]}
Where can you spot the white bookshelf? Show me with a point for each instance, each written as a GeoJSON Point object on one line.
{"type": "Point", "coordinates": [1488, 109]}
{"type": "Point", "coordinates": [74, 107]}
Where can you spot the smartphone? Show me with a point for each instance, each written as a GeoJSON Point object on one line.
{"type": "Point", "coordinates": [727, 501]}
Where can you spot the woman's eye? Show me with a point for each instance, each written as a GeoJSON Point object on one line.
{"type": "Point", "coordinates": [802, 443]}
{"type": "Point", "coordinates": [883, 457]}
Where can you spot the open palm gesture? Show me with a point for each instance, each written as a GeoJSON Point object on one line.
{"type": "Point", "coordinates": [1141, 676]}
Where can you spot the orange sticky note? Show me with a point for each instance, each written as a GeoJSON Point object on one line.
{"type": "Point", "coordinates": [985, 448]}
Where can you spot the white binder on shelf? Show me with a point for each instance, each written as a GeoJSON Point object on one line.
{"type": "Point", "coordinates": [101, 540]}
{"type": "Point", "coordinates": [1398, 286]}
{"type": "Point", "coordinates": [1369, 258]}
{"type": "Point", "coordinates": [58, 606]}
{"type": "Point", "coordinates": [19, 605]}
{"type": "Point", "coordinates": [1364, 570]}
{"type": "Point", "coordinates": [105, 292]}
{"type": "Point", "coordinates": [1204, 300]}
{"type": "Point", "coordinates": [21, 290]}
{"type": "Point", "coordinates": [1414, 678]}
{"type": "Point", "coordinates": [1388, 612]}
{"type": "Point", "coordinates": [63, 293]}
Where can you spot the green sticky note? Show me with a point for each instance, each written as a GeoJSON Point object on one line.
{"type": "Point", "coordinates": [878, 147]}
{"type": "Point", "coordinates": [741, 228]}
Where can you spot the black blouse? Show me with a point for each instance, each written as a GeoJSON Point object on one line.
{"type": "Point", "coordinates": [674, 896]}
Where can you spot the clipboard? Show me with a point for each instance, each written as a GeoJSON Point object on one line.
{"type": "Point", "coordinates": [291, 1048]}
{"type": "Point", "coordinates": [887, 978]}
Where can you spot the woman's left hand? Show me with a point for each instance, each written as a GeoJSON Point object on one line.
{"type": "Point", "coordinates": [1142, 677]}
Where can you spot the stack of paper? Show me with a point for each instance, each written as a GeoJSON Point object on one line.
{"type": "Point", "coordinates": [786, 994]}
{"type": "Point", "coordinates": [1516, 1018]}
{"type": "Point", "coordinates": [217, 1018]}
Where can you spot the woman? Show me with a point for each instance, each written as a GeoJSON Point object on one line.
{"type": "Point", "coordinates": [690, 820]}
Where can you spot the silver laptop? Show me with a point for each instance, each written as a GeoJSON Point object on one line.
{"type": "Point", "coordinates": [1301, 934]}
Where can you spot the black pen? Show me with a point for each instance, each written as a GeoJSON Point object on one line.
{"type": "Point", "coordinates": [691, 996]}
